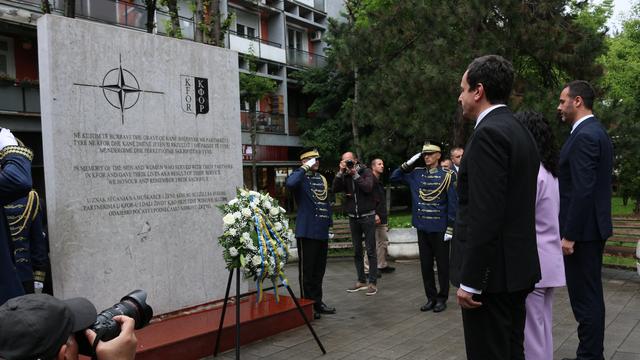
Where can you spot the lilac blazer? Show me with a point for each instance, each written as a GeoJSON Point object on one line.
{"type": "Point", "coordinates": [548, 231]}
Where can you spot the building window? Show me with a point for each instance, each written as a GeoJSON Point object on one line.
{"type": "Point", "coordinates": [251, 32]}
{"type": "Point", "coordinates": [7, 57]}
{"type": "Point", "coordinates": [240, 29]}
{"type": "Point", "coordinates": [295, 39]}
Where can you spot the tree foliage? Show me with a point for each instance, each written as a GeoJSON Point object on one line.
{"type": "Point", "coordinates": [411, 54]}
{"type": "Point", "coordinates": [621, 84]}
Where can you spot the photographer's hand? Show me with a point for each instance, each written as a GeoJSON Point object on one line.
{"type": "Point", "coordinates": [122, 347]}
{"type": "Point", "coordinates": [342, 166]}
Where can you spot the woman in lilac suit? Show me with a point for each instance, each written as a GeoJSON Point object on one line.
{"type": "Point", "coordinates": [538, 341]}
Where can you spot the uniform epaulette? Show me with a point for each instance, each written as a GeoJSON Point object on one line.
{"type": "Point", "coordinates": [15, 149]}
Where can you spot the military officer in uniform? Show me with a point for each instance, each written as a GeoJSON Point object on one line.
{"type": "Point", "coordinates": [434, 203]}
{"type": "Point", "coordinates": [15, 182]}
{"type": "Point", "coordinates": [29, 245]}
{"type": "Point", "coordinates": [310, 190]}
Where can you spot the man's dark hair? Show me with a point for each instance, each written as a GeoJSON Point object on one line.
{"type": "Point", "coordinates": [545, 140]}
{"type": "Point", "coordinates": [495, 73]}
{"type": "Point", "coordinates": [584, 90]}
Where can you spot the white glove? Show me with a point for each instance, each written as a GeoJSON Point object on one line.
{"type": "Point", "coordinates": [7, 138]}
{"type": "Point", "coordinates": [310, 162]}
{"type": "Point", "coordinates": [447, 237]}
{"type": "Point", "coordinates": [414, 158]}
{"type": "Point", "coordinates": [37, 287]}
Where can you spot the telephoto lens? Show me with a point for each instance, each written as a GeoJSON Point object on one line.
{"type": "Point", "coordinates": [133, 305]}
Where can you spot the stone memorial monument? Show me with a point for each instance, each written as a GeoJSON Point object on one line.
{"type": "Point", "coordinates": [141, 141]}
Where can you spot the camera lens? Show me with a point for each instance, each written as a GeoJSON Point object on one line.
{"type": "Point", "coordinates": [133, 305]}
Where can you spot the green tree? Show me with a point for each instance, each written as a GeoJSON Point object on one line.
{"type": "Point", "coordinates": [621, 84]}
{"type": "Point", "coordinates": [410, 56]}
{"type": "Point", "coordinates": [254, 87]}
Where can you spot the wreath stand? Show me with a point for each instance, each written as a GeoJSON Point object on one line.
{"type": "Point", "coordinates": [238, 296]}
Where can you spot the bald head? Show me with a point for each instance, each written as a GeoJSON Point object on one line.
{"type": "Point", "coordinates": [349, 156]}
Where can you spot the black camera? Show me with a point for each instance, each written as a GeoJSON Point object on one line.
{"type": "Point", "coordinates": [133, 305]}
{"type": "Point", "coordinates": [350, 164]}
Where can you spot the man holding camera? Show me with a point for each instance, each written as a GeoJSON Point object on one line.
{"type": "Point", "coordinates": [434, 202]}
{"type": "Point", "coordinates": [357, 182]}
{"type": "Point", "coordinates": [15, 182]}
{"type": "Point", "coordinates": [39, 326]}
{"type": "Point", "coordinates": [310, 190]}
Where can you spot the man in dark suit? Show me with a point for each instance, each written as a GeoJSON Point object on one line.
{"type": "Point", "coordinates": [494, 259]}
{"type": "Point", "coordinates": [585, 212]}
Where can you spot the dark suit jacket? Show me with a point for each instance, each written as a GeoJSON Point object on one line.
{"type": "Point", "coordinates": [494, 242]}
{"type": "Point", "coordinates": [585, 183]}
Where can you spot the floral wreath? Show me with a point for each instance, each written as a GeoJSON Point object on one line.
{"type": "Point", "coordinates": [256, 237]}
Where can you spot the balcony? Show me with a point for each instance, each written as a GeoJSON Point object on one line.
{"type": "Point", "coordinates": [261, 48]}
{"type": "Point", "coordinates": [19, 98]}
{"type": "Point", "coordinates": [302, 58]}
{"type": "Point", "coordinates": [265, 122]}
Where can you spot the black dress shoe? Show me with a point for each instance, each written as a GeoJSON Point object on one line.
{"type": "Point", "coordinates": [387, 269]}
{"type": "Point", "coordinates": [428, 306]}
{"type": "Point", "coordinates": [440, 306]}
{"type": "Point", "coordinates": [316, 315]}
{"type": "Point", "coordinates": [325, 309]}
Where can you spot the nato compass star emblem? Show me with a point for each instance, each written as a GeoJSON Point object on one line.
{"type": "Point", "coordinates": [121, 89]}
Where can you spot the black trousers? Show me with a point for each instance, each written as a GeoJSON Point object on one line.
{"type": "Point", "coordinates": [583, 270]}
{"type": "Point", "coordinates": [495, 330]}
{"type": "Point", "coordinates": [364, 227]}
{"type": "Point", "coordinates": [432, 245]}
{"type": "Point", "coordinates": [311, 266]}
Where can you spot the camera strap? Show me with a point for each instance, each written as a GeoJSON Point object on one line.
{"type": "Point", "coordinates": [99, 334]}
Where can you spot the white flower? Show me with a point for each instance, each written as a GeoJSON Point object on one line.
{"type": "Point", "coordinates": [246, 212]}
{"type": "Point", "coordinates": [278, 226]}
{"type": "Point", "coordinates": [246, 236]}
{"type": "Point", "coordinates": [281, 264]}
{"type": "Point", "coordinates": [232, 232]}
{"type": "Point", "coordinates": [254, 193]}
{"type": "Point", "coordinates": [274, 211]}
{"type": "Point", "coordinates": [266, 204]}
{"type": "Point", "coordinates": [229, 219]}
{"type": "Point", "coordinates": [253, 205]}
{"type": "Point", "coordinates": [233, 251]}
{"type": "Point", "coordinates": [282, 210]}
{"type": "Point", "coordinates": [243, 192]}
{"type": "Point", "coordinates": [232, 202]}
{"type": "Point", "coordinates": [256, 260]}
{"type": "Point", "coordinates": [237, 215]}
{"type": "Point", "coordinates": [280, 252]}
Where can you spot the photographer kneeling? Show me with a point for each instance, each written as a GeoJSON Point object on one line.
{"type": "Point", "coordinates": [39, 326]}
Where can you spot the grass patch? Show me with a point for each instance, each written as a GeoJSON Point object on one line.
{"type": "Point", "coordinates": [400, 220]}
{"type": "Point", "coordinates": [618, 209]}
{"type": "Point", "coordinates": [340, 252]}
{"type": "Point", "coordinates": [619, 261]}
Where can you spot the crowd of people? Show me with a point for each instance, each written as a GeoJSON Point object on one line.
{"type": "Point", "coordinates": [507, 219]}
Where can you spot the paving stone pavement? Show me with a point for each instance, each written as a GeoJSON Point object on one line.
{"type": "Point", "coordinates": [389, 324]}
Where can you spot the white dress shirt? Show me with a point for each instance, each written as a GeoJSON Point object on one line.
{"type": "Point", "coordinates": [575, 124]}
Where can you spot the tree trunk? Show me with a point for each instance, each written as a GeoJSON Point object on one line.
{"type": "Point", "coordinates": [46, 7]}
{"type": "Point", "coordinates": [70, 8]}
{"type": "Point", "coordinates": [354, 114]}
{"type": "Point", "coordinates": [215, 22]}
{"type": "Point", "coordinates": [151, 14]}
{"type": "Point", "coordinates": [636, 209]}
{"type": "Point", "coordinates": [199, 22]}
{"type": "Point", "coordinates": [175, 20]}
{"type": "Point", "coordinates": [254, 162]}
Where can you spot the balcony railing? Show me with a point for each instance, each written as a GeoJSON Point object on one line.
{"type": "Point", "coordinates": [293, 125]}
{"type": "Point", "coordinates": [265, 122]}
{"type": "Point", "coordinates": [255, 38]}
{"type": "Point", "coordinates": [302, 58]}
{"type": "Point", "coordinates": [17, 98]}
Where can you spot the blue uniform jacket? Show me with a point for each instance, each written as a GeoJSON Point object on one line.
{"type": "Point", "coordinates": [435, 215]}
{"type": "Point", "coordinates": [15, 182]}
{"type": "Point", "coordinates": [314, 213]}
{"type": "Point", "coordinates": [29, 246]}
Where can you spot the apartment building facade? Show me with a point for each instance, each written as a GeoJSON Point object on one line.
{"type": "Point", "coordinates": [284, 36]}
